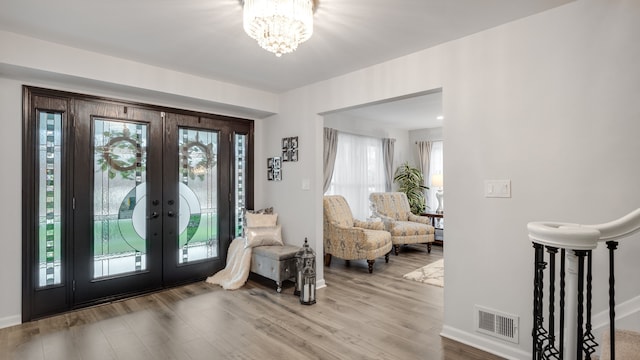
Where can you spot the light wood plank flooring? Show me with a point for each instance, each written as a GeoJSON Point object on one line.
{"type": "Point", "coordinates": [357, 316]}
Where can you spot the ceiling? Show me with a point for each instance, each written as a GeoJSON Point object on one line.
{"type": "Point", "coordinates": [206, 38]}
{"type": "Point", "coordinates": [410, 113]}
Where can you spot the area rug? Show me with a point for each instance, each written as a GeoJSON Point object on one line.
{"type": "Point", "coordinates": [432, 274]}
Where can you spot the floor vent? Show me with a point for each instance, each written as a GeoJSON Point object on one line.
{"type": "Point", "coordinates": [495, 323]}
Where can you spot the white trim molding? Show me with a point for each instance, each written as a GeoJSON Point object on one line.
{"type": "Point", "coordinates": [480, 342]}
{"type": "Point", "coordinates": [8, 321]}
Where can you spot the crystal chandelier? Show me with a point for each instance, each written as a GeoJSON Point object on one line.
{"type": "Point", "coordinates": [279, 26]}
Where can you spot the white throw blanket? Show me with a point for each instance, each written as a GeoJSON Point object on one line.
{"type": "Point", "coordinates": [236, 273]}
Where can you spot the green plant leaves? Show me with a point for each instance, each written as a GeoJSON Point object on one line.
{"type": "Point", "coordinates": [410, 181]}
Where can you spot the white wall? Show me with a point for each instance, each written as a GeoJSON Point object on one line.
{"type": "Point", "coordinates": [10, 213]}
{"type": "Point", "coordinates": [550, 102]}
{"type": "Point", "coordinates": [299, 211]}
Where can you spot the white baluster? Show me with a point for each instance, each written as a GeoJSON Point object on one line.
{"type": "Point", "coordinates": [571, 303]}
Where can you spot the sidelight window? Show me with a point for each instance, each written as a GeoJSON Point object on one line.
{"type": "Point", "coordinates": [240, 145]}
{"type": "Point", "coordinates": [49, 208]}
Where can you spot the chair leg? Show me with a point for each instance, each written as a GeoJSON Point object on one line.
{"type": "Point", "coordinates": [386, 257]}
{"type": "Point", "coordinates": [396, 249]}
{"type": "Point", "coordinates": [429, 248]}
{"type": "Point", "coordinates": [327, 259]}
{"type": "Point", "coordinates": [370, 265]}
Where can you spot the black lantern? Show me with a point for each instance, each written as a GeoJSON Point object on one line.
{"type": "Point", "coordinates": [306, 275]}
{"type": "Point", "coordinates": [299, 266]}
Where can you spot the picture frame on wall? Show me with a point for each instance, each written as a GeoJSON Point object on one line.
{"type": "Point", "coordinates": [274, 169]}
{"type": "Point", "coordinates": [290, 149]}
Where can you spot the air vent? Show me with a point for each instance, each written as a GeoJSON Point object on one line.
{"type": "Point", "coordinates": [497, 324]}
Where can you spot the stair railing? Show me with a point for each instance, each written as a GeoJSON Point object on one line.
{"type": "Point", "coordinates": [573, 339]}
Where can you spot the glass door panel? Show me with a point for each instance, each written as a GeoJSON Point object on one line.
{"type": "Point", "coordinates": [240, 160]}
{"type": "Point", "coordinates": [198, 190]}
{"type": "Point", "coordinates": [120, 194]}
{"type": "Point", "coordinates": [49, 196]}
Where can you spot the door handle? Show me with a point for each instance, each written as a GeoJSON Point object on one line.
{"type": "Point", "coordinates": [171, 214]}
{"type": "Point", "coordinates": [154, 215]}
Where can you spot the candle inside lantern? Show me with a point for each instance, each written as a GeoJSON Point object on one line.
{"type": "Point", "coordinates": [306, 292]}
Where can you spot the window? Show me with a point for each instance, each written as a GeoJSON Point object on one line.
{"type": "Point", "coordinates": [358, 171]}
{"type": "Point", "coordinates": [435, 167]}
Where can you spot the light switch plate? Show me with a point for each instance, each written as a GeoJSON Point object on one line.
{"type": "Point", "coordinates": [306, 184]}
{"type": "Point", "coordinates": [497, 188]}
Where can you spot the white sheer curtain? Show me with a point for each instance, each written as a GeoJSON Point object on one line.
{"type": "Point", "coordinates": [358, 171]}
{"type": "Point", "coordinates": [435, 167]}
{"type": "Point", "coordinates": [330, 147]}
{"type": "Point", "coordinates": [424, 158]}
{"type": "Point", "coordinates": [388, 146]}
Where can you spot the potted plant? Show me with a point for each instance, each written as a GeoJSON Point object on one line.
{"type": "Point", "coordinates": [410, 181]}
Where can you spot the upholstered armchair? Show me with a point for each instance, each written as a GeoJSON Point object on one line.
{"type": "Point", "coordinates": [404, 226]}
{"type": "Point", "coordinates": [349, 238]}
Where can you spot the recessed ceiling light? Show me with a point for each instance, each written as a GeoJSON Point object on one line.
{"type": "Point", "coordinates": [440, 117]}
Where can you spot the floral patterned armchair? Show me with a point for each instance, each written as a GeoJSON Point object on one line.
{"type": "Point", "coordinates": [349, 238]}
{"type": "Point", "coordinates": [404, 226]}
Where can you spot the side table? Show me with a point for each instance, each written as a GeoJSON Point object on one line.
{"type": "Point", "coordinates": [437, 223]}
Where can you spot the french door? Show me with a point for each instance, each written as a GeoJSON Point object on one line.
{"type": "Point", "coordinates": [125, 198]}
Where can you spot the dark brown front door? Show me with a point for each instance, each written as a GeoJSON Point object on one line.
{"type": "Point", "coordinates": [129, 199]}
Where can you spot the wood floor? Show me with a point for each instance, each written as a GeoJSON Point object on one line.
{"type": "Point", "coordinates": [357, 316]}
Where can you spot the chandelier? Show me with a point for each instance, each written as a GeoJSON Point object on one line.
{"type": "Point", "coordinates": [279, 26]}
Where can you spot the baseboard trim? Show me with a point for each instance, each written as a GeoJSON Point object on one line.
{"type": "Point", "coordinates": [320, 284]}
{"type": "Point", "coordinates": [627, 308]}
{"type": "Point", "coordinates": [8, 321]}
{"type": "Point", "coordinates": [484, 344]}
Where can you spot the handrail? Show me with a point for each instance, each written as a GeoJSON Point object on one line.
{"type": "Point", "coordinates": [619, 228]}
{"type": "Point", "coordinates": [563, 235]}
{"type": "Point", "coordinates": [583, 237]}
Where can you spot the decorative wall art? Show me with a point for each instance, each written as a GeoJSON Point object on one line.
{"type": "Point", "coordinates": [290, 149]}
{"type": "Point", "coordinates": [274, 168]}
